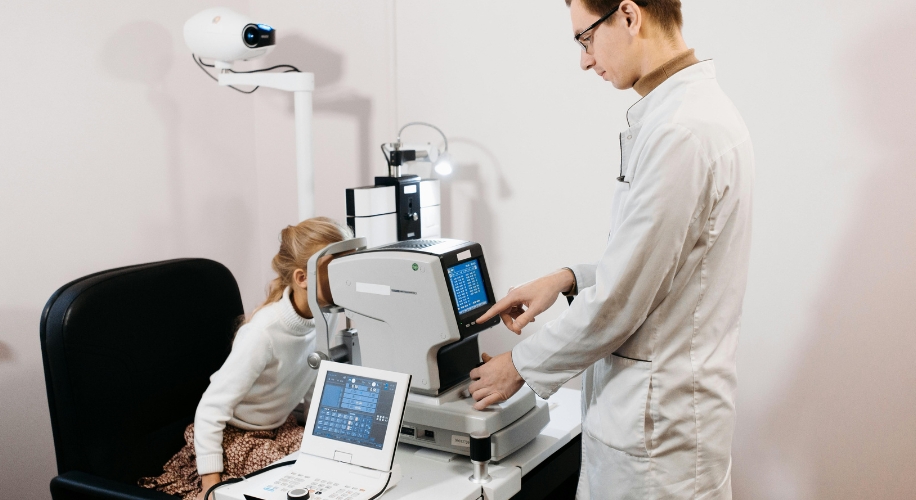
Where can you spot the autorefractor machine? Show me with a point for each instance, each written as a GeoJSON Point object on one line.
{"type": "Point", "coordinates": [411, 307]}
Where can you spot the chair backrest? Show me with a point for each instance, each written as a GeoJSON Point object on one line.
{"type": "Point", "coordinates": [127, 355]}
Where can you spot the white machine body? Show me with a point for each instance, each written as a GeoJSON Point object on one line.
{"type": "Point", "coordinates": [414, 305]}
{"type": "Point", "coordinates": [399, 300]}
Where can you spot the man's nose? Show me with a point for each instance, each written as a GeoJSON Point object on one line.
{"type": "Point", "coordinates": [586, 61]}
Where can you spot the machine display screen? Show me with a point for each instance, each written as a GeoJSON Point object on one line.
{"type": "Point", "coordinates": [467, 285]}
{"type": "Point", "coordinates": [355, 409]}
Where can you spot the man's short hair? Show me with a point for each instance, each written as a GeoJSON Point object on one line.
{"type": "Point", "coordinates": [667, 13]}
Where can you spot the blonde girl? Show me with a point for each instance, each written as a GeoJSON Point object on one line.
{"type": "Point", "coordinates": [243, 420]}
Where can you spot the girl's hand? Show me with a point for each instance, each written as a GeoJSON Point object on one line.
{"type": "Point", "coordinates": [206, 482]}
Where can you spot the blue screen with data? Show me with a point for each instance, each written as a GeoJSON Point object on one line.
{"type": "Point", "coordinates": [467, 285]}
{"type": "Point", "coordinates": [355, 409]}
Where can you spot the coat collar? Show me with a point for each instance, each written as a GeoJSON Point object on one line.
{"type": "Point", "coordinates": [704, 70]}
{"type": "Point", "coordinates": [656, 77]}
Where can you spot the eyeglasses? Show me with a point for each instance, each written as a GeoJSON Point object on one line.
{"type": "Point", "coordinates": [585, 41]}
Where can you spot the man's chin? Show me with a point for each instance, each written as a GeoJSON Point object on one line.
{"type": "Point", "coordinates": [608, 78]}
{"type": "Point", "coordinates": [619, 85]}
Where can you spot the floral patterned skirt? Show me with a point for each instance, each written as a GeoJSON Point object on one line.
{"type": "Point", "coordinates": [243, 453]}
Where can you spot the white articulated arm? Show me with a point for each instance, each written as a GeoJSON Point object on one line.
{"type": "Point", "coordinates": [301, 85]}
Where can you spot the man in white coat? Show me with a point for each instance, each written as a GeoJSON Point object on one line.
{"type": "Point", "coordinates": [655, 321]}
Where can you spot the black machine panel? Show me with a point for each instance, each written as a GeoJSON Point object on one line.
{"type": "Point", "coordinates": [407, 204]}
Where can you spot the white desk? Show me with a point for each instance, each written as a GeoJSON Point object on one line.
{"type": "Point", "coordinates": [430, 474]}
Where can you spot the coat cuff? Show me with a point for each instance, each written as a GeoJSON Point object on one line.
{"type": "Point", "coordinates": [585, 277]}
{"type": "Point", "coordinates": [208, 464]}
{"type": "Point", "coordinates": [575, 287]}
{"type": "Point", "coordinates": [529, 372]}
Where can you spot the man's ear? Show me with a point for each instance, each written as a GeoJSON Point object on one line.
{"type": "Point", "coordinates": [633, 16]}
{"type": "Point", "coordinates": [300, 279]}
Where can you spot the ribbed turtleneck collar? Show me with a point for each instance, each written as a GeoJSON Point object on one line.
{"type": "Point", "coordinates": [297, 324]}
{"type": "Point", "coordinates": [656, 77]}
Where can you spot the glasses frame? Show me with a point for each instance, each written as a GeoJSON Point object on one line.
{"type": "Point", "coordinates": [578, 37]}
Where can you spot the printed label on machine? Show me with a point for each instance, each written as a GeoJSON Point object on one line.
{"type": "Point", "coordinates": [371, 288]}
{"type": "Point", "coordinates": [463, 441]}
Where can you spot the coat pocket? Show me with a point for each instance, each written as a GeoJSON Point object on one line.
{"type": "Point", "coordinates": [617, 414]}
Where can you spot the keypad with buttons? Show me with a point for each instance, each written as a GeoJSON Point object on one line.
{"type": "Point", "coordinates": [321, 488]}
{"type": "Point", "coordinates": [288, 482]}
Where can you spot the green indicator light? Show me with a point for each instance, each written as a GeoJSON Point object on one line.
{"type": "Point", "coordinates": [415, 267]}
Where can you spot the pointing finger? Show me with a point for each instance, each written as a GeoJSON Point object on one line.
{"type": "Point", "coordinates": [500, 306]}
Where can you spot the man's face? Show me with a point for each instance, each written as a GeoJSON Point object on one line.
{"type": "Point", "coordinates": [611, 53]}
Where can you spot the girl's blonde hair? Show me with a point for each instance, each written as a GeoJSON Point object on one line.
{"type": "Point", "coordinates": [297, 244]}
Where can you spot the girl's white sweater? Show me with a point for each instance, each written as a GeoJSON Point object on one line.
{"type": "Point", "coordinates": [263, 379]}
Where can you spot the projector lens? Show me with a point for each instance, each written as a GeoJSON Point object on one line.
{"type": "Point", "coordinates": [251, 36]}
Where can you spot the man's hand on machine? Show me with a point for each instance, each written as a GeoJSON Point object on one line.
{"type": "Point", "coordinates": [495, 381]}
{"type": "Point", "coordinates": [524, 302]}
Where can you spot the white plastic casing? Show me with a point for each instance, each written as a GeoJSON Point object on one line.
{"type": "Point", "coordinates": [217, 34]}
{"type": "Point", "coordinates": [430, 210]}
{"type": "Point", "coordinates": [373, 200]}
{"type": "Point", "coordinates": [430, 193]}
{"type": "Point", "coordinates": [378, 230]}
{"type": "Point", "coordinates": [379, 460]}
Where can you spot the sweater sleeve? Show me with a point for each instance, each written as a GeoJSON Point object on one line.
{"type": "Point", "coordinates": [672, 186]}
{"type": "Point", "coordinates": [250, 354]}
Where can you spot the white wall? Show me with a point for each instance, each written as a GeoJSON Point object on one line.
{"type": "Point", "coordinates": [116, 150]}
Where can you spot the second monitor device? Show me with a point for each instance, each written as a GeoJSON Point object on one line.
{"type": "Point", "coordinates": [349, 441]}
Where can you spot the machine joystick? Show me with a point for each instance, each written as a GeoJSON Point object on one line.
{"type": "Point", "coordinates": [297, 494]}
{"type": "Point", "coordinates": [480, 458]}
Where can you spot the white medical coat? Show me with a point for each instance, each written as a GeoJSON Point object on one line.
{"type": "Point", "coordinates": [656, 320]}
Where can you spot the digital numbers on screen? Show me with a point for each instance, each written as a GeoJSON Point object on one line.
{"type": "Point", "coordinates": [467, 285]}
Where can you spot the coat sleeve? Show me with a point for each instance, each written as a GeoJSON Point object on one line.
{"type": "Point", "coordinates": [671, 186]}
{"type": "Point", "coordinates": [230, 384]}
{"type": "Point", "coordinates": [585, 276]}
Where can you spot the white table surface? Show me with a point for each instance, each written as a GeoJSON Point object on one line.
{"type": "Point", "coordinates": [429, 474]}
{"type": "Point", "coordinates": [426, 475]}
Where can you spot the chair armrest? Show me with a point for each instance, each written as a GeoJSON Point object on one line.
{"type": "Point", "coordinates": [75, 485]}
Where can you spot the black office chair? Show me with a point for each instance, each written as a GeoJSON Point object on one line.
{"type": "Point", "coordinates": [127, 355]}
